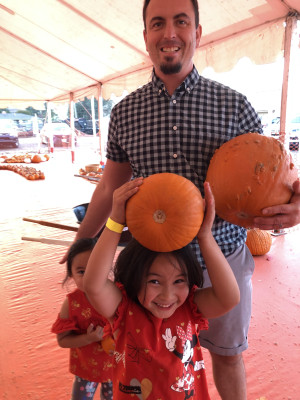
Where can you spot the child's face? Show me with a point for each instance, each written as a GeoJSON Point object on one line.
{"type": "Point", "coordinates": [165, 287]}
{"type": "Point", "coordinates": [78, 267]}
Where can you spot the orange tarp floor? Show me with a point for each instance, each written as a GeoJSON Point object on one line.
{"type": "Point", "coordinates": [32, 366]}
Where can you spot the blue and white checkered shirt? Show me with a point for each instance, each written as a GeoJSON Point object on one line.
{"type": "Point", "coordinates": [157, 132]}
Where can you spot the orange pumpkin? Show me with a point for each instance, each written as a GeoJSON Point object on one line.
{"type": "Point", "coordinates": [248, 173]}
{"type": "Point", "coordinates": [259, 242]}
{"type": "Point", "coordinates": [108, 345]}
{"type": "Point", "coordinates": [166, 213]}
{"type": "Point", "coordinates": [36, 159]}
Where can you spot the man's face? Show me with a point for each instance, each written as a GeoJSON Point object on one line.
{"type": "Point", "coordinates": [171, 36]}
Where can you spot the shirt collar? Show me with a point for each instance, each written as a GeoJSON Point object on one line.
{"type": "Point", "coordinates": [186, 86]}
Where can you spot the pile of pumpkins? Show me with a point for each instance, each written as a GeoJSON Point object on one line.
{"type": "Point", "coordinates": [24, 158]}
{"type": "Point", "coordinates": [30, 173]}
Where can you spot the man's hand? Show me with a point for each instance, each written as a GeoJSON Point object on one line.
{"type": "Point", "coordinates": [284, 215]}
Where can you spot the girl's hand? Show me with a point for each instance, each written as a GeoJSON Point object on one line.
{"type": "Point", "coordinates": [209, 214]}
{"type": "Point", "coordinates": [94, 334]}
{"type": "Point", "coordinates": [120, 196]}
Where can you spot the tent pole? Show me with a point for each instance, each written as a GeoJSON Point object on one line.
{"type": "Point", "coordinates": [100, 116]}
{"type": "Point", "coordinates": [290, 28]}
{"type": "Point", "coordinates": [93, 117]}
{"type": "Point", "coordinates": [72, 126]}
{"type": "Point", "coordinates": [36, 132]}
{"type": "Point", "coordinates": [49, 118]}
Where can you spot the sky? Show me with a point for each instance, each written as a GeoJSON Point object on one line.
{"type": "Point", "coordinates": [262, 84]}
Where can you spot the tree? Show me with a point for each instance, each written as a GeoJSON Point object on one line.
{"type": "Point", "coordinates": [107, 107]}
{"type": "Point", "coordinates": [83, 108]}
{"type": "Point", "coordinates": [29, 111]}
{"type": "Point", "coordinates": [4, 110]}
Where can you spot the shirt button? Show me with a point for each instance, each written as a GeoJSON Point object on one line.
{"type": "Point", "coordinates": [174, 102]}
{"type": "Point", "coordinates": [174, 128]}
{"type": "Point", "coordinates": [175, 155]}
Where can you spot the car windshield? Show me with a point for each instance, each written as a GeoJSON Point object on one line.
{"type": "Point", "coordinates": [296, 120]}
{"type": "Point", "coordinates": [5, 124]}
{"type": "Point", "coordinates": [55, 127]}
{"type": "Point", "coordinates": [60, 127]}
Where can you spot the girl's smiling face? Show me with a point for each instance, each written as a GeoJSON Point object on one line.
{"type": "Point", "coordinates": [165, 287]}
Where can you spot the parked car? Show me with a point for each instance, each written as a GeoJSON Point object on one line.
{"type": "Point", "coordinates": [275, 128]}
{"type": "Point", "coordinates": [61, 133]}
{"type": "Point", "coordinates": [292, 132]}
{"type": "Point", "coordinates": [89, 127]}
{"type": "Point", "coordinates": [25, 131]}
{"type": "Point", "coordinates": [84, 125]}
{"type": "Point", "coordinates": [79, 124]}
{"type": "Point", "coordinates": [9, 132]}
{"type": "Point", "coordinates": [294, 126]}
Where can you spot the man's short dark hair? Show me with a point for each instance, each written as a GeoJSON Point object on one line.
{"type": "Point", "coordinates": [195, 5]}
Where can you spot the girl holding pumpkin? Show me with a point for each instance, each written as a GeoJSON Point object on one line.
{"type": "Point", "coordinates": [156, 306]}
{"type": "Point", "coordinates": [80, 328]}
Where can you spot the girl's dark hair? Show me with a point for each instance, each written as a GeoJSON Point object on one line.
{"type": "Point", "coordinates": [195, 5]}
{"type": "Point", "coordinates": [80, 246]}
{"type": "Point", "coordinates": [135, 261]}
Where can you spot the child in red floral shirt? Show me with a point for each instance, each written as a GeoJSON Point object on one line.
{"type": "Point", "coordinates": [81, 328]}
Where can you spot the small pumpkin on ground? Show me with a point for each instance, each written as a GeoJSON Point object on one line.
{"type": "Point", "coordinates": [36, 159]}
{"type": "Point", "coordinates": [166, 213]}
{"type": "Point", "coordinates": [248, 173]}
{"type": "Point", "coordinates": [258, 241]}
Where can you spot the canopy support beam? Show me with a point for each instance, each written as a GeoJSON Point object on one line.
{"type": "Point", "coordinates": [100, 116]}
{"type": "Point", "coordinates": [72, 126]}
{"type": "Point", "coordinates": [49, 118]}
{"type": "Point", "coordinates": [290, 29]}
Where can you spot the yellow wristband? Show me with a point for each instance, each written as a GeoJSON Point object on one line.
{"type": "Point", "coordinates": [114, 226]}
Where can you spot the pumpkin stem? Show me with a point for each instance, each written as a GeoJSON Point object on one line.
{"type": "Point", "coordinates": [159, 216]}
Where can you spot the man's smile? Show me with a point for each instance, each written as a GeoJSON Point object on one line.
{"type": "Point", "coordinates": [170, 49]}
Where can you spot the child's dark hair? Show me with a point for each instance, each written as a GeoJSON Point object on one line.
{"type": "Point", "coordinates": [80, 246]}
{"type": "Point", "coordinates": [135, 261]}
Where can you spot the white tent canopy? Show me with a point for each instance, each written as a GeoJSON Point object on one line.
{"type": "Point", "coordinates": [52, 48]}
